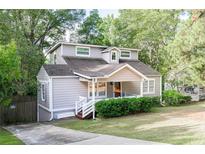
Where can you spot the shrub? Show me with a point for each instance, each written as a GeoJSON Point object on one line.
{"type": "Point", "coordinates": [124, 106]}
{"type": "Point", "coordinates": [172, 97]}
{"type": "Point", "coordinates": [156, 101]}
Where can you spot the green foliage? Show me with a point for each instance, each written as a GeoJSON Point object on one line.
{"type": "Point", "coordinates": [33, 31]}
{"type": "Point", "coordinates": [124, 106]}
{"type": "Point", "coordinates": [172, 97]}
{"type": "Point", "coordinates": [9, 72]}
{"type": "Point", "coordinates": [148, 30]}
{"type": "Point", "coordinates": [186, 52]}
{"type": "Point", "coordinates": [90, 32]}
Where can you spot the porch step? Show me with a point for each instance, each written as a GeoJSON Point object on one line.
{"type": "Point", "coordinates": [79, 116]}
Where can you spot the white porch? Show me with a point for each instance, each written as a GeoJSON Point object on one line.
{"type": "Point", "coordinates": [123, 82]}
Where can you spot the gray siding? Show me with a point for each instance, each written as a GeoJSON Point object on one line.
{"type": "Point", "coordinates": [43, 78]}
{"type": "Point", "coordinates": [44, 115]}
{"type": "Point", "coordinates": [42, 74]}
{"type": "Point", "coordinates": [134, 55]}
{"type": "Point", "coordinates": [59, 58]}
{"type": "Point", "coordinates": [157, 86]}
{"type": "Point", "coordinates": [66, 92]}
{"type": "Point", "coordinates": [106, 56]}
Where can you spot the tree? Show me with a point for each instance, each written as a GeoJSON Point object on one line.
{"type": "Point", "coordinates": [148, 30]}
{"type": "Point", "coordinates": [187, 51]}
{"type": "Point", "coordinates": [89, 31]}
{"type": "Point", "coordinates": [9, 72]}
{"type": "Point", "coordinates": [33, 31]}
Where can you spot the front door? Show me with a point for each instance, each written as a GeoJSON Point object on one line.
{"type": "Point", "coordinates": [117, 89]}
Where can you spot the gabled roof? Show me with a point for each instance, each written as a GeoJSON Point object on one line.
{"type": "Point", "coordinates": [58, 70]}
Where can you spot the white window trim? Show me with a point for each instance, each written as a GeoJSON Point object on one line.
{"type": "Point", "coordinates": [148, 92]}
{"type": "Point", "coordinates": [97, 96]}
{"type": "Point", "coordinates": [43, 99]}
{"type": "Point", "coordinates": [76, 53]}
{"type": "Point", "coordinates": [125, 57]}
{"type": "Point", "coordinates": [115, 56]}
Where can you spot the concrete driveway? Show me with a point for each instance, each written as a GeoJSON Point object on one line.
{"type": "Point", "coordinates": [45, 134]}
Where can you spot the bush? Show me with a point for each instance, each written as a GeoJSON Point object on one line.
{"type": "Point", "coordinates": [124, 106]}
{"type": "Point", "coordinates": [174, 98]}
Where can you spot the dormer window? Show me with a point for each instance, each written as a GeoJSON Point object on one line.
{"type": "Point", "coordinates": [83, 51]}
{"type": "Point", "coordinates": [125, 54]}
{"type": "Point", "coordinates": [114, 55]}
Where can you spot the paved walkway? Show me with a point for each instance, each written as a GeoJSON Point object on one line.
{"type": "Point", "coordinates": [43, 134]}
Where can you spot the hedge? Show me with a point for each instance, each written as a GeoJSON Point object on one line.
{"type": "Point", "coordinates": [124, 106]}
{"type": "Point", "coordinates": [174, 98]}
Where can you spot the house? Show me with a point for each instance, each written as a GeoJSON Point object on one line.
{"type": "Point", "coordinates": [78, 75]}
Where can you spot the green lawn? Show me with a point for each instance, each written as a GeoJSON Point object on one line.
{"type": "Point", "coordinates": [6, 138]}
{"type": "Point", "coordinates": [174, 125]}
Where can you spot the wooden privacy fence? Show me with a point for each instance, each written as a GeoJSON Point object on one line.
{"type": "Point", "coordinates": [22, 110]}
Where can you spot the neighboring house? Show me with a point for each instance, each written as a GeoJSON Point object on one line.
{"type": "Point", "coordinates": [197, 92]}
{"type": "Point", "coordinates": [81, 74]}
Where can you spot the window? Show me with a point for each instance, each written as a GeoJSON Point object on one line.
{"type": "Point", "coordinates": [114, 55]}
{"type": "Point", "coordinates": [149, 86]}
{"type": "Point", "coordinates": [43, 92]}
{"type": "Point", "coordinates": [125, 54]}
{"type": "Point", "coordinates": [82, 51]}
{"type": "Point", "coordinates": [145, 86]}
{"type": "Point", "coordinates": [90, 89]}
{"type": "Point", "coordinates": [100, 89]}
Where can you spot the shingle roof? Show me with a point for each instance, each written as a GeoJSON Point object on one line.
{"type": "Point", "coordinates": [58, 70]}
{"type": "Point", "coordinates": [94, 67]}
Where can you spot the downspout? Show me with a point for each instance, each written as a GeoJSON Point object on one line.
{"type": "Point", "coordinates": [51, 97]}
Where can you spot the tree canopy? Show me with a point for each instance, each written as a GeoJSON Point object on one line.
{"type": "Point", "coordinates": [33, 31]}
{"type": "Point", "coordinates": [9, 71]}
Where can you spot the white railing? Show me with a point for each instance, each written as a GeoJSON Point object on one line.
{"type": "Point", "coordinates": [84, 106]}
{"type": "Point", "coordinates": [79, 104]}
{"type": "Point", "coordinates": [88, 108]}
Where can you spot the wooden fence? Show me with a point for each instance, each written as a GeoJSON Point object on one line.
{"type": "Point", "coordinates": [21, 110]}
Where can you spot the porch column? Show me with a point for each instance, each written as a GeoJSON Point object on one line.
{"type": "Point", "coordinates": [141, 88]}
{"type": "Point", "coordinates": [93, 96]}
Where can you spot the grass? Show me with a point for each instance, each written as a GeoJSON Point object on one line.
{"type": "Point", "coordinates": [7, 138]}
{"type": "Point", "coordinates": [174, 125]}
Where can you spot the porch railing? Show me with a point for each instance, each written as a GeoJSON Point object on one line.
{"type": "Point", "coordinates": [79, 104]}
